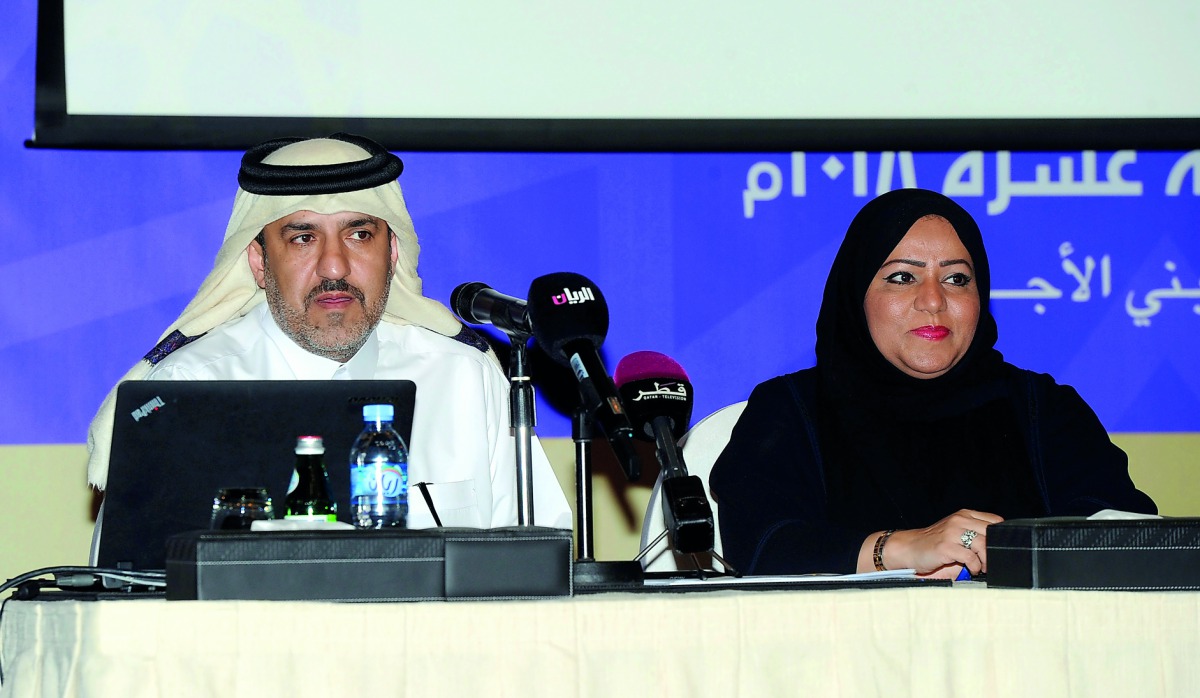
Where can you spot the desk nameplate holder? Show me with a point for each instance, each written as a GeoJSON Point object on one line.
{"type": "Point", "coordinates": [523, 562]}
{"type": "Point", "coordinates": [1161, 554]}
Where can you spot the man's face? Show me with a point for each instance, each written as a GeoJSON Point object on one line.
{"type": "Point", "coordinates": [326, 277]}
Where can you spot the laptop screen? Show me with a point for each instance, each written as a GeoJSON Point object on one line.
{"type": "Point", "coordinates": [175, 443]}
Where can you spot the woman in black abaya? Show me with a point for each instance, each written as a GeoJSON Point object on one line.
{"type": "Point", "coordinates": [911, 434]}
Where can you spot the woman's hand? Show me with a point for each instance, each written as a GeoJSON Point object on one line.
{"type": "Point", "coordinates": [940, 550]}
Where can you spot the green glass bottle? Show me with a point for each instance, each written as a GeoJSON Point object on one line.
{"type": "Point", "coordinates": [308, 493]}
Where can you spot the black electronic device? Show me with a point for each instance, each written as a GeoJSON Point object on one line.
{"type": "Point", "coordinates": [176, 442]}
{"type": "Point", "coordinates": [478, 303]}
{"type": "Point", "coordinates": [570, 321]}
{"type": "Point", "coordinates": [658, 397]}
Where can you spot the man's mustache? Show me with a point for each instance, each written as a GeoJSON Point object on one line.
{"type": "Point", "coordinates": [331, 286]}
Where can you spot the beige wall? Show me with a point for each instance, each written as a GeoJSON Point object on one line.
{"type": "Point", "coordinates": [45, 508]}
{"type": "Point", "coordinates": [46, 505]}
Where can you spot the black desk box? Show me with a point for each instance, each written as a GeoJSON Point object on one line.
{"type": "Point", "coordinates": [1078, 553]}
{"type": "Point", "coordinates": [524, 562]}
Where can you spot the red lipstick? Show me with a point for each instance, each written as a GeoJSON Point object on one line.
{"type": "Point", "coordinates": [932, 332]}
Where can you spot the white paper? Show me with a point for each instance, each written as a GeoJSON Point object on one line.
{"type": "Point", "coordinates": [1117, 515]}
{"type": "Point", "coordinates": [298, 525]}
{"type": "Point", "coordinates": [799, 579]}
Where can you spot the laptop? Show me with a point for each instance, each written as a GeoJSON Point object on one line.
{"type": "Point", "coordinates": [175, 443]}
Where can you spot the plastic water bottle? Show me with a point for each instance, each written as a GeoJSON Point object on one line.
{"type": "Point", "coordinates": [378, 472]}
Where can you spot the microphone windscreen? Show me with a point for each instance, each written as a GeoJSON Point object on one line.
{"type": "Point", "coordinates": [566, 307]}
{"type": "Point", "coordinates": [654, 385]}
{"type": "Point", "coordinates": [462, 298]}
{"type": "Point", "coordinates": [647, 364]}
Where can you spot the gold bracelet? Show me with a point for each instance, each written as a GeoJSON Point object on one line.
{"type": "Point", "coordinates": [878, 556]}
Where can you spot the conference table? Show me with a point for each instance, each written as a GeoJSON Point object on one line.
{"type": "Point", "coordinates": [960, 640]}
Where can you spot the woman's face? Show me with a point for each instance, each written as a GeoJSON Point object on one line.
{"type": "Point", "coordinates": [923, 305]}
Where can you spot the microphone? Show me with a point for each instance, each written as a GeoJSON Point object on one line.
{"type": "Point", "coordinates": [654, 386]}
{"type": "Point", "coordinates": [570, 320]}
{"type": "Point", "coordinates": [478, 303]}
{"type": "Point", "coordinates": [659, 398]}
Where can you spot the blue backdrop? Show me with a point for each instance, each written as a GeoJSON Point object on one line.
{"type": "Point", "coordinates": [717, 260]}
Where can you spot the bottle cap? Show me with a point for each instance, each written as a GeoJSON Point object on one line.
{"type": "Point", "coordinates": [378, 413]}
{"type": "Point", "coordinates": [307, 445]}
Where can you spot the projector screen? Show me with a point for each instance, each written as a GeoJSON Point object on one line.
{"type": "Point", "coordinates": [621, 75]}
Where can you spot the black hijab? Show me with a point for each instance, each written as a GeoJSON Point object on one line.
{"type": "Point", "coordinates": [926, 446]}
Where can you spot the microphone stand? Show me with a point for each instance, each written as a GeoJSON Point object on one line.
{"type": "Point", "coordinates": [687, 513]}
{"type": "Point", "coordinates": [522, 419]}
{"type": "Point", "coordinates": [590, 573]}
{"type": "Point", "coordinates": [698, 567]}
{"type": "Point", "coordinates": [581, 434]}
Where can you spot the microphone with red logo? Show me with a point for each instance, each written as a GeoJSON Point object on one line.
{"type": "Point", "coordinates": [570, 320]}
{"type": "Point", "coordinates": [658, 397]}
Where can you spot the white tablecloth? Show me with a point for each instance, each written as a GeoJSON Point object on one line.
{"type": "Point", "coordinates": [962, 641]}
